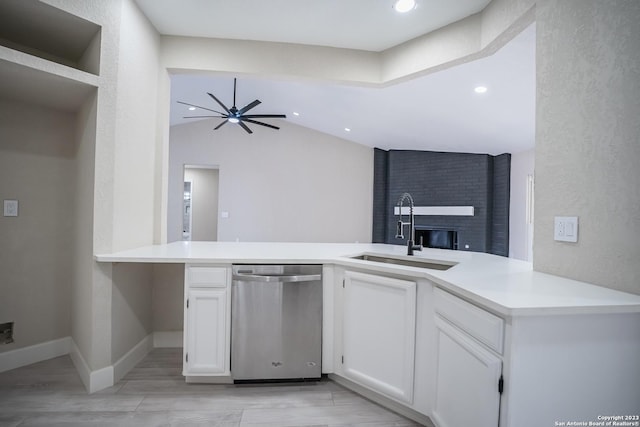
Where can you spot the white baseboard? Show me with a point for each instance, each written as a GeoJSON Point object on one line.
{"type": "Point", "coordinates": [92, 380]}
{"type": "Point", "coordinates": [101, 379]}
{"type": "Point", "coordinates": [167, 339]}
{"type": "Point", "coordinates": [34, 353]}
{"type": "Point", "coordinates": [132, 357]}
{"type": "Point", "coordinates": [80, 364]}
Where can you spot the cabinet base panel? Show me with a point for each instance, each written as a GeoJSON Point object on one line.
{"type": "Point", "coordinates": [191, 379]}
{"type": "Point", "coordinates": [383, 401]}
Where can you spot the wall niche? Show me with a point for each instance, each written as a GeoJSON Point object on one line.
{"type": "Point", "coordinates": [46, 32]}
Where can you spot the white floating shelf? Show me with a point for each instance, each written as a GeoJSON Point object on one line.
{"type": "Point", "coordinates": [436, 210]}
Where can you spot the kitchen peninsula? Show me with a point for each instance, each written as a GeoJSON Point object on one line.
{"type": "Point", "coordinates": [482, 338]}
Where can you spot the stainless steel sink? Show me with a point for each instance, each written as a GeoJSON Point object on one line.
{"type": "Point", "coordinates": [409, 262]}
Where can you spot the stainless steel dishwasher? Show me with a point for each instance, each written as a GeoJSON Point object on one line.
{"type": "Point", "coordinates": [276, 322]}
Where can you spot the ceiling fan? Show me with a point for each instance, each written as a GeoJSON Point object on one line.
{"type": "Point", "coordinates": [235, 115]}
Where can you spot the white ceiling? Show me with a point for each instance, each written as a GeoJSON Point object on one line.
{"type": "Point", "coordinates": [438, 112]}
{"type": "Point", "coordinates": [356, 24]}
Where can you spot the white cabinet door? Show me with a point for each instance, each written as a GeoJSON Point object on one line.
{"type": "Point", "coordinates": [467, 377]}
{"type": "Point", "coordinates": [207, 344]}
{"type": "Point", "coordinates": [379, 321]}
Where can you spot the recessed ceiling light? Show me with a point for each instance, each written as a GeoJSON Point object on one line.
{"type": "Point", "coordinates": [403, 6]}
{"type": "Point", "coordinates": [347, 129]}
{"type": "Point", "coordinates": [480, 89]}
{"type": "Point", "coordinates": [295, 113]}
{"type": "Point", "coordinates": [192, 108]}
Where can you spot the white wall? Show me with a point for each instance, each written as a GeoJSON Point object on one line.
{"type": "Point", "coordinates": [134, 177]}
{"type": "Point", "coordinates": [95, 130]}
{"type": "Point", "coordinates": [168, 297]}
{"type": "Point", "coordinates": [293, 184]}
{"type": "Point", "coordinates": [522, 165]}
{"type": "Point", "coordinates": [135, 138]}
{"type": "Point", "coordinates": [82, 293]}
{"type": "Point", "coordinates": [131, 312]}
{"type": "Point", "coordinates": [37, 167]}
{"type": "Point", "coordinates": [588, 139]}
{"type": "Point", "coordinates": [118, 168]}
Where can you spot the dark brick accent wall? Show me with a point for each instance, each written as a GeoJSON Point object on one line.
{"type": "Point", "coordinates": [380, 178]}
{"type": "Point", "coordinates": [501, 193]}
{"type": "Point", "coordinates": [446, 179]}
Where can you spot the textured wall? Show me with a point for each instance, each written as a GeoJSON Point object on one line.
{"type": "Point", "coordinates": [133, 180]}
{"type": "Point", "coordinates": [37, 165]}
{"type": "Point", "coordinates": [84, 268]}
{"type": "Point", "coordinates": [168, 297]}
{"type": "Point", "coordinates": [588, 139]}
{"type": "Point", "coordinates": [448, 179]}
{"type": "Point", "coordinates": [116, 137]}
{"type": "Point", "coordinates": [293, 184]}
{"type": "Point", "coordinates": [135, 134]}
{"type": "Point", "coordinates": [131, 308]}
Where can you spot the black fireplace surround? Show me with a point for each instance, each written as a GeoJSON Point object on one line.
{"type": "Point", "coordinates": [445, 179]}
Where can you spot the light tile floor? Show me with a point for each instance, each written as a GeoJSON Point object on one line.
{"type": "Point", "coordinates": [154, 393]}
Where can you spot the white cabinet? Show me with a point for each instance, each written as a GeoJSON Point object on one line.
{"type": "Point", "coordinates": [468, 373]}
{"type": "Point", "coordinates": [207, 321]}
{"type": "Point", "coordinates": [426, 352]}
{"type": "Point", "coordinates": [378, 336]}
{"type": "Point", "coordinates": [467, 377]}
{"type": "Point", "coordinates": [206, 347]}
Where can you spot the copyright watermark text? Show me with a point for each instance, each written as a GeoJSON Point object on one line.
{"type": "Point", "coordinates": [604, 421]}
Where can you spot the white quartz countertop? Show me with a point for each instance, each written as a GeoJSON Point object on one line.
{"type": "Point", "coordinates": [504, 285]}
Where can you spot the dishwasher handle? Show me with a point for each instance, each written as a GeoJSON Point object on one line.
{"type": "Point", "coordinates": [276, 278]}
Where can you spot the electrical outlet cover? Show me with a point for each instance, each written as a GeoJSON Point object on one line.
{"type": "Point", "coordinates": [565, 229]}
{"type": "Point", "coordinates": [6, 333]}
{"type": "Point", "coordinates": [10, 208]}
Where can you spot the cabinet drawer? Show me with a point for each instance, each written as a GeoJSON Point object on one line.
{"type": "Point", "coordinates": [207, 277]}
{"type": "Point", "coordinates": [480, 324]}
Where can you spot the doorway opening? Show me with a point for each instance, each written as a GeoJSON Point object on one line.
{"type": "Point", "coordinates": [200, 203]}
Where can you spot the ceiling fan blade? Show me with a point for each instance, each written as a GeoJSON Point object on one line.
{"type": "Point", "coordinates": [245, 127]}
{"type": "Point", "coordinates": [258, 116]}
{"type": "Point", "coordinates": [234, 91]}
{"type": "Point", "coordinates": [218, 101]}
{"type": "Point", "coordinates": [248, 107]}
{"type": "Point", "coordinates": [197, 106]}
{"type": "Point", "coordinates": [220, 125]}
{"type": "Point", "coordinates": [260, 123]}
{"type": "Point", "coordinates": [200, 117]}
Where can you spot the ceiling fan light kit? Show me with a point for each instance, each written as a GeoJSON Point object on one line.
{"type": "Point", "coordinates": [235, 115]}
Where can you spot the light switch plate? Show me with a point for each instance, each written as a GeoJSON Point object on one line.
{"type": "Point", "coordinates": [10, 208]}
{"type": "Point", "coordinates": [565, 229]}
